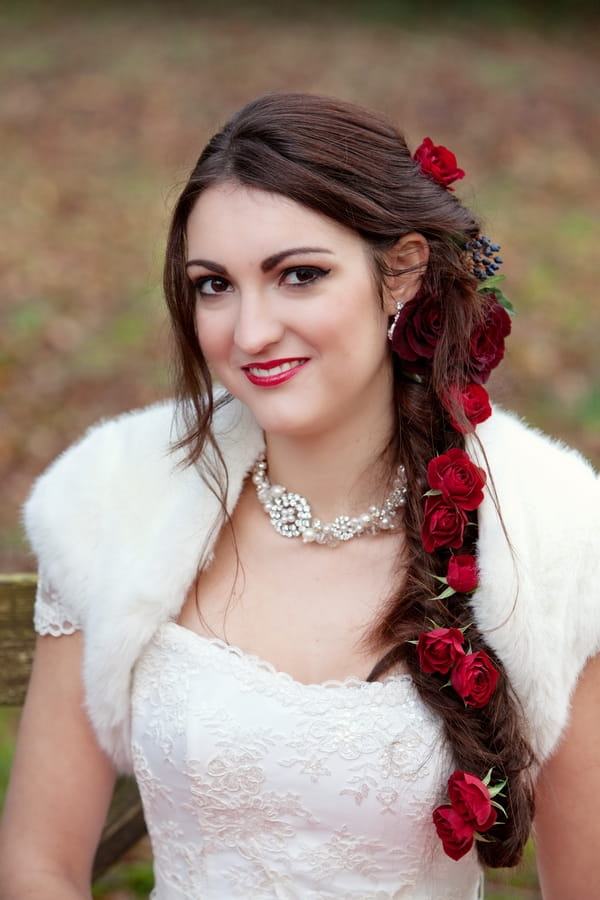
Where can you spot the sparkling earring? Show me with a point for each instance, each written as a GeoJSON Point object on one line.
{"type": "Point", "coordinates": [390, 332]}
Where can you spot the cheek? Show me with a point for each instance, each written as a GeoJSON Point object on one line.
{"type": "Point", "coordinates": [213, 335]}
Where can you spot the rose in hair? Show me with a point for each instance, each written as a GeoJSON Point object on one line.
{"type": "Point", "coordinates": [471, 799]}
{"type": "Point", "coordinates": [439, 649]}
{"type": "Point", "coordinates": [443, 524]}
{"type": "Point", "coordinates": [438, 163]}
{"type": "Point", "coordinates": [458, 479]}
{"type": "Point", "coordinates": [475, 403]}
{"type": "Point", "coordinates": [457, 836]}
{"type": "Point", "coordinates": [418, 330]}
{"type": "Point", "coordinates": [474, 678]}
{"type": "Point", "coordinates": [462, 573]}
{"type": "Point", "coordinates": [487, 340]}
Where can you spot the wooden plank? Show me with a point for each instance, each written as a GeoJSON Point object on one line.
{"type": "Point", "coordinates": [17, 638]}
{"type": "Point", "coordinates": [125, 821]}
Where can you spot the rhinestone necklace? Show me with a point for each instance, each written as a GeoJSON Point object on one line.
{"type": "Point", "coordinates": [291, 515]}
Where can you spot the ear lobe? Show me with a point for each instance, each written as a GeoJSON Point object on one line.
{"type": "Point", "coordinates": [408, 258]}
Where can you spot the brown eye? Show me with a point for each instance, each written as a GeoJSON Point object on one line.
{"type": "Point", "coordinates": [211, 285]}
{"type": "Point", "coordinates": [303, 275]}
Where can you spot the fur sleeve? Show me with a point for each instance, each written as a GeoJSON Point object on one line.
{"type": "Point", "coordinates": [539, 559]}
{"type": "Point", "coordinates": [71, 502]}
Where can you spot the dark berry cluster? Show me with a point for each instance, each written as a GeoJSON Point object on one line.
{"type": "Point", "coordinates": [483, 253]}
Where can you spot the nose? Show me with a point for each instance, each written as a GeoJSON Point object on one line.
{"type": "Point", "coordinates": [257, 325]}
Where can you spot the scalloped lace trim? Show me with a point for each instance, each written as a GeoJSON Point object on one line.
{"type": "Point", "coordinates": [252, 661]}
{"type": "Point", "coordinates": [51, 616]}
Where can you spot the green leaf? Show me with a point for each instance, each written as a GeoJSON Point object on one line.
{"type": "Point", "coordinates": [441, 578]}
{"type": "Point", "coordinates": [432, 493]}
{"type": "Point", "coordinates": [490, 282]}
{"type": "Point", "coordinates": [496, 789]}
{"type": "Point", "coordinates": [490, 286]}
{"type": "Point", "coordinates": [447, 593]}
{"type": "Point", "coordinates": [505, 302]}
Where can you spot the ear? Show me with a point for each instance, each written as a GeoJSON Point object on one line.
{"type": "Point", "coordinates": [410, 252]}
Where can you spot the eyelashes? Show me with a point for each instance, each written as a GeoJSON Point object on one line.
{"type": "Point", "coordinates": [301, 275]}
{"type": "Point", "coordinates": [211, 285]}
{"type": "Point", "coordinates": [294, 277]}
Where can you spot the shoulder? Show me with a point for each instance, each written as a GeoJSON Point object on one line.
{"type": "Point", "coordinates": [108, 450]}
{"type": "Point", "coordinates": [123, 485]}
{"type": "Point", "coordinates": [515, 446]}
{"type": "Point", "coordinates": [546, 493]}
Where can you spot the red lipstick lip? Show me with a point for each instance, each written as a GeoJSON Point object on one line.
{"type": "Point", "coordinates": [273, 380]}
{"type": "Point", "coordinates": [271, 363]}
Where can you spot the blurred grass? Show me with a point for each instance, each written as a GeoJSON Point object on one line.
{"type": "Point", "coordinates": [104, 108]}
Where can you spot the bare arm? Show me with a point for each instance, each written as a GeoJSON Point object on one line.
{"type": "Point", "coordinates": [567, 824]}
{"type": "Point", "coordinates": [60, 786]}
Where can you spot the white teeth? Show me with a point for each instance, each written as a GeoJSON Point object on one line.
{"type": "Point", "coordinates": [275, 370]}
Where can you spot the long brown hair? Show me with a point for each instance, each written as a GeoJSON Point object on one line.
{"type": "Point", "coordinates": [354, 167]}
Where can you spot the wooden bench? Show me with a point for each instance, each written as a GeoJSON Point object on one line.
{"type": "Point", "coordinates": [125, 822]}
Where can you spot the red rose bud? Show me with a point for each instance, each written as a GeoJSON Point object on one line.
{"type": "Point", "coordinates": [474, 678]}
{"type": "Point", "coordinates": [438, 163]}
{"type": "Point", "coordinates": [487, 341]}
{"type": "Point", "coordinates": [462, 573]}
{"type": "Point", "coordinates": [471, 799]}
{"type": "Point", "coordinates": [459, 480]}
{"type": "Point", "coordinates": [457, 836]}
{"type": "Point", "coordinates": [418, 329]}
{"type": "Point", "coordinates": [439, 649]}
{"type": "Point", "coordinates": [475, 403]}
{"type": "Point", "coordinates": [443, 524]}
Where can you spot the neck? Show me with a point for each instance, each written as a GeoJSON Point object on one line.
{"type": "Point", "coordinates": [338, 473]}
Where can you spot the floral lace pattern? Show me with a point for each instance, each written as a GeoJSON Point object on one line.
{"type": "Point", "coordinates": [51, 615]}
{"type": "Point", "coordinates": [255, 785]}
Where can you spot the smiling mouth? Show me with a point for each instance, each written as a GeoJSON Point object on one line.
{"type": "Point", "coordinates": [273, 372]}
{"type": "Point", "coordinates": [274, 368]}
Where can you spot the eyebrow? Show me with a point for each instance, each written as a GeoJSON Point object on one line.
{"type": "Point", "coordinates": [271, 261]}
{"type": "Point", "coordinates": [207, 264]}
{"type": "Point", "coordinates": [266, 265]}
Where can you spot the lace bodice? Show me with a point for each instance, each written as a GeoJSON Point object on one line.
{"type": "Point", "coordinates": [257, 786]}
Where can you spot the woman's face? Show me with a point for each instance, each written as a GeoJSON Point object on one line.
{"type": "Point", "coordinates": [288, 312]}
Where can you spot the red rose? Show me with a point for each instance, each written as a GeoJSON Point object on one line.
{"type": "Point", "coordinates": [462, 573]}
{"type": "Point", "coordinates": [474, 678]}
{"type": "Point", "coordinates": [439, 649]}
{"type": "Point", "coordinates": [438, 162]}
{"type": "Point", "coordinates": [443, 525]}
{"type": "Point", "coordinates": [459, 479]}
{"type": "Point", "coordinates": [471, 799]}
{"type": "Point", "coordinates": [475, 404]}
{"type": "Point", "coordinates": [418, 329]}
{"type": "Point", "coordinates": [487, 341]}
{"type": "Point", "coordinates": [457, 836]}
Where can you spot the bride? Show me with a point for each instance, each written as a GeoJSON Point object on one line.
{"type": "Point", "coordinates": [337, 614]}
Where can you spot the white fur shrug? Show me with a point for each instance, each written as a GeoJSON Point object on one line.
{"type": "Point", "coordinates": [120, 528]}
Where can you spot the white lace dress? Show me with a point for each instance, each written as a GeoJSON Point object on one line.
{"type": "Point", "coordinates": [257, 786]}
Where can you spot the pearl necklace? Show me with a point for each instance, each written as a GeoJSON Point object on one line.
{"type": "Point", "coordinates": [291, 515]}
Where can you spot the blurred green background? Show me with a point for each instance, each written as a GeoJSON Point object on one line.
{"type": "Point", "coordinates": [104, 109]}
